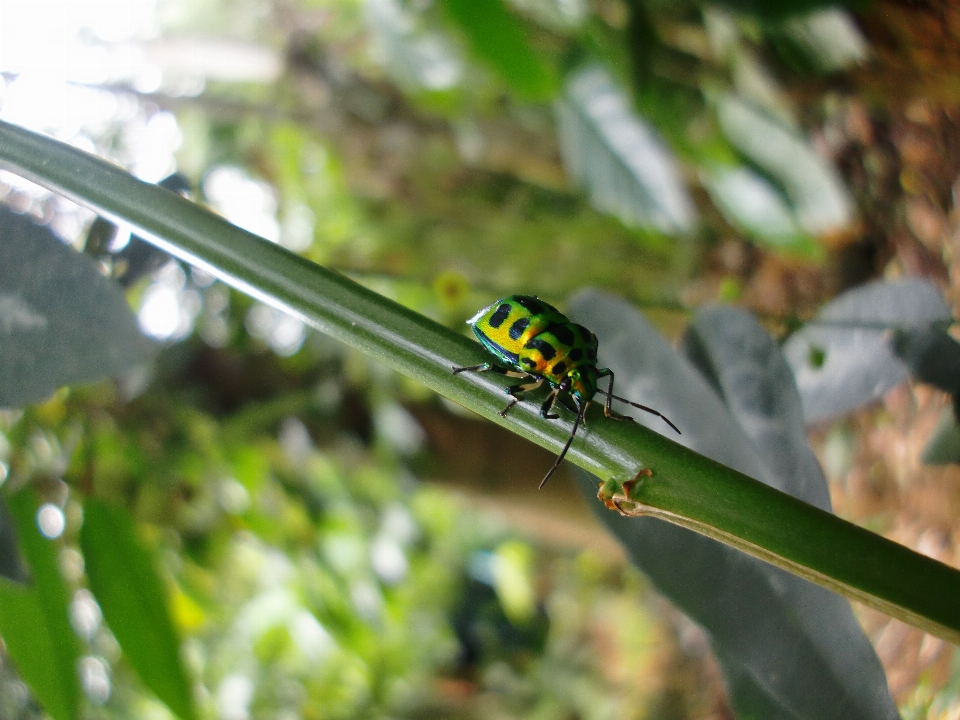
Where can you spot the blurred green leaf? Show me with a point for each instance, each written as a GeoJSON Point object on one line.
{"type": "Point", "coordinates": [61, 321]}
{"type": "Point", "coordinates": [34, 618]}
{"type": "Point", "coordinates": [842, 359]}
{"type": "Point", "coordinates": [829, 39]}
{"type": "Point", "coordinates": [513, 581]}
{"type": "Point", "coordinates": [754, 205]}
{"type": "Point", "coordinates": [416, 56]}
{"type": "Point", "coordinates": [783, 9]}
{"type": "Point", "coordinates": [819, 198]}
{"type": "Point", "coordinates": [133, 599]}
{"type": "Point", "coordinates": [785, 644]}
{"type": "Point", "coordinates": [625, 167]}
{"type": "Point", "coordinates": [498, 36]}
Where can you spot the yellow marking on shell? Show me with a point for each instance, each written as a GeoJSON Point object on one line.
{"type": "Point", "coordinates": [550, 371]}
{"type": "Point", "coordinates": [538, 323]}
{"type": "Point", "coordinates": [541, 364]}
{"type": "Point", "coordinates": [546, 367]}
{"type": "Point", "coordinates": [501, 335]}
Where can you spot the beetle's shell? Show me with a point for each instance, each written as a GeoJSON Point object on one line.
{"type": "Point", "coordinates": [534, 337]}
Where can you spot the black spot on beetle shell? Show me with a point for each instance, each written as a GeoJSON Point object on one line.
{"type": "Point", "coordinates": [563, 333]}
{"type": "Point", "coordinates": [501, 314]}
{"type": "Point", "coordinates": [533, 306]}
{"type": "Point", "coordinates": [545, 348]}
{"type": "Point", "coordinates": [516, 330]}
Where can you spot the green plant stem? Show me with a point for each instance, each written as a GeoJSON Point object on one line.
{"type": "Point", "coordinates": [686, 488]}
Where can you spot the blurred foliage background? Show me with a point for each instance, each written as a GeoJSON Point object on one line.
{"type": "Point", "coordinates": [337, 541]}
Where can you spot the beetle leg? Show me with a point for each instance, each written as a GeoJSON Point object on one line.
{"type": "Point", "coordinates": [516, 390]}
{"type": "Point", "coordinates": [548, 406]}
{"type": "Point", "coordinates": [490, 367]}
{"type": "Point", "coordinates": [617, 416]}
{"type": "Point", "coordinates": [483, 367]}
{"type": "Point", "coordinates": [503, 413]}
{"type": "Point", "coordinates": [607, 410]}
{"type": "Point", "coordinates": [556, 464]}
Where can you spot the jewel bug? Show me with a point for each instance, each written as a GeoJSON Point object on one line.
{"type": "Point", "coordinates": [537, 343]}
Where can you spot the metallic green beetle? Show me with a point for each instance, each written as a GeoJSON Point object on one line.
{"type": "Point", "coordinates": [539, 343]}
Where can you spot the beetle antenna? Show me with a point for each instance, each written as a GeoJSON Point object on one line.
{"type": "Point", "coordinates": [576, 424]}
{"type": "Point", "coordinates": [642, 407]}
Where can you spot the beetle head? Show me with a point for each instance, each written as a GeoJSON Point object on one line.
{"type": "Point", "coordinates": [581, 383]}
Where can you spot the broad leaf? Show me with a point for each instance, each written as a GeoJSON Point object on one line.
{"type": "Point", "coordinates": [61, 321]}
{"type": "Point", "coordinates": [417, 57]}
{"type": "Point", "coordinates": [34, 620]}
{"type": "Point", "coordinates": [558, 15]}
{"type": "Point", "coordinates": [625, 167]}
{"type": "Point", "coordinates": [752, 204]}
{"type": "Point", "coordinates": [788, 647]}
{"type": "Point", "coordinates": [819, 198]}
{"type": "Point", "coordinates": [497, 36]}
{"type": "Point", "coordinates": [842, 359]}
{"type": "Point", "coordinates": [828, 38]}
{"type": "Point", "coordinates": [780, 9]}
{"type": "Point", "coordinates": [131, 595]}
{"type": "Point", "coordinates": [744, 365]}
{"type": "Point", "coordinates": [931, 355]}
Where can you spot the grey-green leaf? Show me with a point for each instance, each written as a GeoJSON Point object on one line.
{"type": "Point", "coordinates": [61, 321]}
{"type": "Point", "coordinates": [931, 355]}
{"type": "Point", "coordinates": [829, 38]}
{"type": "Point", "coordinates": [752, 204]}
{"type": "Point", "coordinates": [842, 359]}
{"type": "Point", "coordinates": [787, 646]}
{"type": "Point", "coordinates": [819, 198]}
{"type": "Point", "coordinates": [125, 583]}
{"type": "Point", "coordinates": [34, 620]}
{"type": "Point", "coordinates": [624, 165]}
{"type": "Point", "coordinates": [750, 374]}
{"type": "Point", "coordinates": [415, 55]}
{"type": "Point", "coordinates": [498, 37]}
{"type": "Point", "coordinates": [772, 10]}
